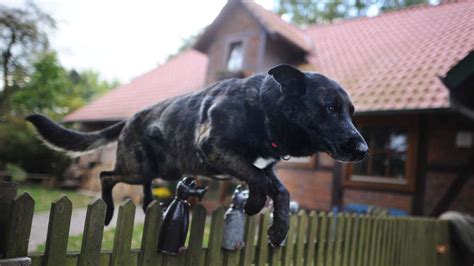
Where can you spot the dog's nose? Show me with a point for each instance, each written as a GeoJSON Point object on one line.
{"type": "Point", "coordinates": [361, 149]}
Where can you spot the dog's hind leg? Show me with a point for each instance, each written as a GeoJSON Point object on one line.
{"type": "Point", "coordinates": [148, 195]}
{"type": "Point", "coordinates": [108, 180]}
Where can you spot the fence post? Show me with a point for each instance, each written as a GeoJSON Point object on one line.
{"type": "Point", "coordinates": [7, 194]}
{"type": "Point", "coordinates": [15, 225]}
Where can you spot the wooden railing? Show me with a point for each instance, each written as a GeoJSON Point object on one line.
{"type": "Point", "coordinates": [313, 239]}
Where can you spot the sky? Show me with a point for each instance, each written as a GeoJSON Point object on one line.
{"type": "Point", "coordinates": [123, 39]}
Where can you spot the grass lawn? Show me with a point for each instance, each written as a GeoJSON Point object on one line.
{"type": "Point", "coordinates": [44, 196]}
{"type": "Point", "coordinates": [74, 242]}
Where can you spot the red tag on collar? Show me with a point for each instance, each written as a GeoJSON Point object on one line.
{"type": "Point", "coordinates": [274, 145]}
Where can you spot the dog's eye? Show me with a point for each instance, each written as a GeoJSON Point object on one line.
{"type": "Point", "coordinates": [330, 109]}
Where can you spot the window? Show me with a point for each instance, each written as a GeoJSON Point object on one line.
{"type": "Point", "coordinates": [391, 160]}
{"type": "Point", "coordinates": [236, 57]}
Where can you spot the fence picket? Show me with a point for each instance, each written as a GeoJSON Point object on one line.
{"type": "Point", "coordinates": [247, 254]}
{"type": "Point", "coordinates": [346, 244]}
{"type": "Point", "coordinates": [300, 238]}
{"type": "Point", "coordinates": [289, 247]}
{"type": "Point", "coordinates": [148, 250]}
{"type": "Point", "coordinates": [322, 238]}
{"type": "Point", "coordinates": [93, 231]}
{"type": "Point", "coordinates": [123, 234]}
{"type": "Point", "coordinates": [384, 241]}
{"type": "Point", "coordinates": [374, 229]}
{"type": "Point", "coordinates": [361, 245]}
{"type": "Point", "coordinates": [331, 238]}
{"type": "Point", "coordinates": [262, 242]}
{"type": "Point", "coordinates": [380, 238]}
{"type": "Point", "coordinates": [19, 227]}
{"type": "Point", "coordinates": [198, 223]}
{"type": "Point", "coordinates": [354, 243]}
{"type": "Point", "coordinates": [367, 238]}
{"type": "Point", "coordinates": [312, 234]}
{"type": "Point", "coordinates": [275, 256]}
{"type": "Point", "coordinates": [340, 234]}
{"type": "Point", "coordinates": [431, 242]}
{"type": "Point", "coordinates": [215, 238]}
{"type": "Point", "coordinates": [58, 232]}
{"type": "Point", "coordinates": [231, 257]}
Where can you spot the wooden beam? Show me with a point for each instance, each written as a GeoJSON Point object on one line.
{"type": "Point", "coordinates": [420, 180]}
{"type": "Point", "coordinates": [450, 194]}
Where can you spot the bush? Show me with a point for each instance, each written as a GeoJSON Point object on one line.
{"type": "Point", "coordinates": [16, 172]}
{"type": "Point", "coordinates": [20, 147]}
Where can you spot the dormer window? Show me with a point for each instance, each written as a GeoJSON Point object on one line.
{"type": "Point", "coordinates": [236, 57]}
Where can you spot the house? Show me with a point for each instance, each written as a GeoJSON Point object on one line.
{"type": "Point", "coordinates": [399, 69]}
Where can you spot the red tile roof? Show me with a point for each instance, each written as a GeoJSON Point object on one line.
{"type": "Point", "coordinates": [184, 73]}
{"type": "Point", "coordinates": [393, 61]}
{"type": "Point", "coordinates": [389, 62]}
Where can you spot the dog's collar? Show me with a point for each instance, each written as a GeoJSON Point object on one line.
{"type": "Point", "coordinates": [274, 143]}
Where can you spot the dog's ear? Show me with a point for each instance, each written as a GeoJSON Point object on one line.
{"type": "Point", "coordinates": [291, 80]}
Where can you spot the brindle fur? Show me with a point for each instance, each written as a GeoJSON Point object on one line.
{"type": "Point", "coordinates": [222, 130]}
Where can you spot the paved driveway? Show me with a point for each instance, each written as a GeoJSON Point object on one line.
{"type": "Point", "coordinates": [39, 228]}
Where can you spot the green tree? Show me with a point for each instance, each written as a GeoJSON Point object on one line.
{"type": "Point", "coordinates": [86, 86]}
{"type": "Point", "coordinates": [306, 12]}
{"type": "Point", "coordinates": [46, 90]}
{"type": "Point", "coordinates": [54, 91]}
{"type": "Point", "coordinates": [23, 32]}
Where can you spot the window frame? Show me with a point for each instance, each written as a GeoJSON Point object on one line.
{"type": "Point", "coordinates": [229, 54]}
{"type": "Point", "coordinates": [381, 182]}
{"type": "Point", "coordinates": [227, 43]}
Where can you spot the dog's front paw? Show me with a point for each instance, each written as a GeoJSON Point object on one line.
{"type": "Point", "coordinates": [277, 232]}
{"type": "Point", "coordinates": [255, 203]}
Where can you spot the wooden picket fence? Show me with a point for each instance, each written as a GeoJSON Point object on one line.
{"type": "Point", "coordinates": [313, 239]}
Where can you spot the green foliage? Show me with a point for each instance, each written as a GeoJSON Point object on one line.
{"type": "Point", "coordinates": [20, 146]}
{"type": "Point", "coordinates": [16, 172]}
{"type": "Point", "coordinates": [305, 12]}
{"type": "Point", "coordinates": [54, 91]}
{"type": "Point", "coordinates": [86, 86]}
{"type": "Point", "coordinates": [34, 81]}
{"type": "Point", "coordinates": [47, 89]}
{"type": "Point", "coordinates": [23, 33]}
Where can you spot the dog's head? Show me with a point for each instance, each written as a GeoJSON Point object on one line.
{"type": "Point", "coordinates": [321, 108]}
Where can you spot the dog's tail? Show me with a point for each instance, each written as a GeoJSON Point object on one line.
{"type": "Point", "coordinates": [73, 142]}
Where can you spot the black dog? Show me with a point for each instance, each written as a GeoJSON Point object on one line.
{"type": "Point", "coordinates": [229, 128]}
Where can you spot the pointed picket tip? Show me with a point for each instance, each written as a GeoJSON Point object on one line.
{"type": "Point", "coordinates": [25, 198]}
{"type": "Point", "coordinates": [152, 205]}
{"type": "Point", "coordinates": [312, 213]}
{"type": "Point", "coordinates": [62, 199]}
{"type": "Point", "coordinates": [301, 213]}
{"type": "Point", "coordinates": [97, 203]}
{"type": "Point", "coordinates": [61, 204]}
{"type": "Point", "coordinates": [127, 205]}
